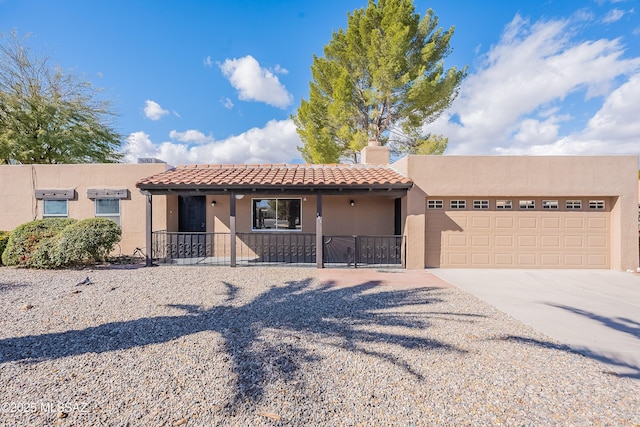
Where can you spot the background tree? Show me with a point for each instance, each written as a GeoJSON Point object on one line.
{"type": "Point", "coordinates": [381, 80]}
{"type": "Point", "coordinates": [49, 116]}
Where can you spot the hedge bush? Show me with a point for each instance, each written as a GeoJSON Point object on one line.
{"type": "Point", "coordinates": [25, 240]}
{"type": "Point", "coordinates": [4, 238]}
{"type": "Point", "coordinates": [87, 241]}
{"type": "Point", "coordinates": [61, 242]}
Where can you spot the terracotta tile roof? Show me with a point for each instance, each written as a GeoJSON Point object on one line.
{"type": "Point", "coordinates": [280, 175]}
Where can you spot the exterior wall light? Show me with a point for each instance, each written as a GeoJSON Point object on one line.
{"type": "Point", "coordinates": [213, 203]}
{"type": "Point", "coordinates": [352, 203]}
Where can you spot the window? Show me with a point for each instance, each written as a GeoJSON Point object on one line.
{"type": "Point", "coordinates": [480, 204]}
{"type": "Point", "coordinates": [573, 205]}
{"type": "Point", "coordinates": [109, 209]}
{"type": "Point", "coordinates": [276, 214]}
{"type": "Point", "coordinates": [549, 204]}
{"type": "Point", "coordinates": [435, 204]}
{"type": "Point", "coordinates": [458, 204]}
{"type": "Point", "coordinates": [503, 204]}
{"type": "Point", "coordinates": [55, 208]}
{"type": "Point", "coordinates": [527, 204]}
{"type": "Point", "coordinates": [596, 205]}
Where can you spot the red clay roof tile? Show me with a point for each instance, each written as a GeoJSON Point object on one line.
{"type": "Point", "coordinates": [219, 176]}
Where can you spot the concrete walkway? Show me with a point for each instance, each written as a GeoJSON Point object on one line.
{"type": "Point", "coordinates": [595, 312]}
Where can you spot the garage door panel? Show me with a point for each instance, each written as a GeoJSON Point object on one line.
{"type": "Point", "coordinates": [550, 260]}
{"type": "Point", "coordinates": [504, 259]}
{"type": "Point", "coordinates": [512, 238]}
{"type": "Point", "coordinates": [457, 259]}
{"type": "Point", "coordinates": [597, 223]}
{"type": "Point", "coordinates": [527, 222]}
{"type": "Point", "coordinates": [481, 259]}
{"type": "Point", "coordinates": [573, 222]}
{"type": "Point", "coordinates": [527, 259]}
{"type": "Point", "coordinates": [573, 241]}
{"type": "Point", "coordinates": [481, 222]}
{"type": "Point", "coordinates": [597, 241]}
{"type": "Point", "coordinates": [504, 222]}
{"type": "Point", "coordinates": [504, 241]}
{"type": "Point", "coordinates": [550, 241]}
{"type": "Point", "coordinates": [553, 223]}
{"type": "Point", "coordinates": [527, 241]}
{"type": "Point", "coordinates": [597, 260]}
{"type": "Point", "coordinates": [456, 240]}
{"type": "Point", "coordinates": [481, 241]}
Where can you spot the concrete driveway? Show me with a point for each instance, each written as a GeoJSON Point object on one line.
{"type": "Point", "coordinates": [595, 312]}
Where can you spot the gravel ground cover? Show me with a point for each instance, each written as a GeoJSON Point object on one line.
{"type": "Point", "coordinates": [200, 346]}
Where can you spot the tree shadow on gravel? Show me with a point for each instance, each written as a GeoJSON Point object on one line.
{"type": "Point", "coordinates": [631, 370]}
{"type": "Point", "coordinates": [295, 312]}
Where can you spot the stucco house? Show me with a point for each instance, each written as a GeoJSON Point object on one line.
{"type": "Point", "coordinates": [420, 211]}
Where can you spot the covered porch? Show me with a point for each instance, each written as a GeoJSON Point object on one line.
{"type": "Point", "coordinates": [310, 215]}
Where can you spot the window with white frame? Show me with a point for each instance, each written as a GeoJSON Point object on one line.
{"type": "Point", "coordinates": [527, 204]}
{"type": "Point", "coordinates": [573, 205]}
{"type": "Point", "coordinates": [550, 204]}
{"type": "Point", "coordinates": [480, 204]}
{"type": "Point", "coordinates": [435, 204]}
{"type": "Point", "coordinates": [503, 204]}
{"type": "Point", "coordinates": [276, 214]}
{"type": "Point", "coordinates": [458, 204]}
{"type": "Point", "coordinates": [55, 208]}
{"type": "Point", "coordinates": [597, 205]}
{"type": "Point", "coordinates": [109, 209]}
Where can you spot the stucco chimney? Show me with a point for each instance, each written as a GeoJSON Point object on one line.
{"type": "Point", "coordinates": [374, 155]}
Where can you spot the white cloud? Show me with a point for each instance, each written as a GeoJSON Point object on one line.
{"type": "Point", "coordinates": [274, 143]}
{"type": "Point", "coordinates": [208, 61]}
{"type": "Point", "coordinates": [153, 110]}
{"type": "Point", "coordinates": [614, 129]}
{"type": "Point", "coordinates": [227, 103]}
{"type": "Point", "coordinates": [255, 83]}
{"type": "Point", "coordinates": [514, 102]}
{"type": "Point", "coordinates": [613, 16]}
{"type": "Point", "coordinates": [280, 70]}
{"type": "Point", "coordinates": [194, 136]}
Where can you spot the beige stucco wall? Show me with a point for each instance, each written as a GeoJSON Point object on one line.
{"type": "Point", "coordinates": [370, 215]}
{"type": "Point", "coordinates": [19, 205]}
{"type": "Point", "coordinates": [542, 176]}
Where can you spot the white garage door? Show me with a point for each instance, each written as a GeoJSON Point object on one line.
{"type": "Point", "coordinates": [518, 232]}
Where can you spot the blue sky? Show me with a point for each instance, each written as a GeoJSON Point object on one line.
{"type": "Point", "coordinates": [216, 81]}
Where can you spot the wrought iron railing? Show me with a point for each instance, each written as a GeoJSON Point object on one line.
{"type": "Point", "coordinates": [277, 248]}
{"type": "Point", "coordinates": [363, 251]}
{"type": "Point", "coordinates": [191, 248]}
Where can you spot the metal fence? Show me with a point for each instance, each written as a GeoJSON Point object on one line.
{"type": "Point", "coordinates": [363, 251]}
{"type": "Point", "coordinates": [266, 248]}
{"type": "Point", "coordinates": [276, 248]}
{"type": "Point", "coordinates": [191, 248]}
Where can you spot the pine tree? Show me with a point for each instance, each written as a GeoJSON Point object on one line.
{"type": "Point", "coordinates": [379, 81]}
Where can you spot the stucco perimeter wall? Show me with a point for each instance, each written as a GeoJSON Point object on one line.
{"type": "Point", "coordinates": [531, 176]}
{"type": "Point", "coordinates": [19, 205]}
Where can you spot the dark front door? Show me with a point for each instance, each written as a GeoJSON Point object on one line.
{"type": "Point", "coordinates": [192, 213]}
{"type": "Point", "coordinates": [191, 240]}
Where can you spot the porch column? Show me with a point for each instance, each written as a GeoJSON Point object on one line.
{"type": "Point", "coordinates": [148, 257]}
{"type": "Point", "coordinates": [232, 227]}
{"type": "Point", "coordinates": [319, 243]}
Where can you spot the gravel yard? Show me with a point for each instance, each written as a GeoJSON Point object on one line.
{"type": "Point", "coordinates": [194, 346]}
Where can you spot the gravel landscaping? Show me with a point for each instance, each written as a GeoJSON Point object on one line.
{"type": "Point", "coordinates": [200, 346]}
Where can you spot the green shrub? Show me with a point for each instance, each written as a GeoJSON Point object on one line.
{"type": "Point", "coordinates": [87, 241]}
{"type": "Point", "coordinates": [4, 238]}
{"type": "Point", "coordinates": [25, 240]}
